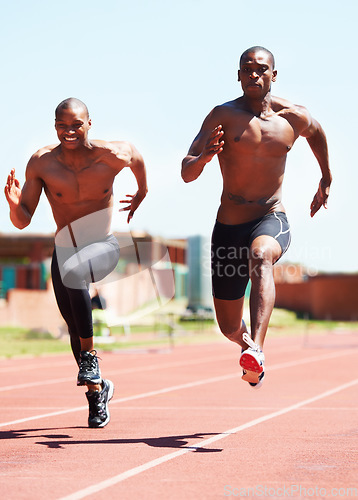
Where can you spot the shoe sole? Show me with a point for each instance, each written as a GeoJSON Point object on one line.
{"type": "Point", "coordinates": [110, 396]}
{"type": "Point", "coordinates": [92, 381]}
{"type": "Point", "coordinates": [250, 363]}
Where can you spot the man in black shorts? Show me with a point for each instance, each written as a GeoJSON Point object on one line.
{"type": "Point", "coordinates": [77, 176]}
{"type": "Point", "coordinates": [252, 136]}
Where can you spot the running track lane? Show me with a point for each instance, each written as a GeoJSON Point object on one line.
{"type": "Point", "coordinates": [184, 425]}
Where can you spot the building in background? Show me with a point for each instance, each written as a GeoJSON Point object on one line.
{"type": "Point", "coordinates": [199, 273]}
{"type": "Point", "coordinates": [332, 296]}
{"type": "Point", "coordinates": [23, 262]}
{"type": "Point", "coordinates": [150, 272]}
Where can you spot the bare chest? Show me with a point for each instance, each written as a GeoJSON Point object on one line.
{"type": "Point", "coordinates": [77, 185]}
{"type": "Point", "coordinates": [271, 137]}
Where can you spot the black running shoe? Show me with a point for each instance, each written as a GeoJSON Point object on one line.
{"type": "Point", "coordinates": [98, 405]}
{"type": "Point", "coordinates": [89, 372]}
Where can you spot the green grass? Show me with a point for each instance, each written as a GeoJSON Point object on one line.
{"type": "Point", "coordinates": [165, 327]}
{"type": "Point", "coordinates": [288, 320]}
{"type": "Point", "coordinates": [16, 341]}
{"type": "Point", "coordinates": [21, 341]}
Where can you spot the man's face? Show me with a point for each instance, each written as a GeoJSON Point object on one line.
{"type": "Point", "coordinates": [256, 74]}
{"type": "Point", "coordinates": [72, 126]}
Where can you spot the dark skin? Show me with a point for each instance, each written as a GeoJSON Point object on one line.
{"type": "Point", "coordinates": [251, 136]}
{"type": "Point", "coordinates": [77, 177]}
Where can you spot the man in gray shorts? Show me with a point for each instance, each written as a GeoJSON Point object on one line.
{"type": "Point", "coordinates": [252, 136]}
{"type": "Point", "coordinates": [77, 177]}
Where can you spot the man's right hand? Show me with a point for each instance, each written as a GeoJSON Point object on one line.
{"type": "Point", "coordinates": [12, 190]}
{"type": "Point", "coordinates": [214, 145]}
{"type": "Point", "coordinates": [205, 146]}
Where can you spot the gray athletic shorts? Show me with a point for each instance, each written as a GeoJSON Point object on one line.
{"type": "Point", "coordinates": [230, 249]}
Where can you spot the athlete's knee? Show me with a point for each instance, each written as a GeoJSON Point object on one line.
{"type": "Point", "coordinates": [231, 330]}
{"type": "Point", "coordinates": [261, 260]}
{"type": "Point", "coordinates": [261, 254]}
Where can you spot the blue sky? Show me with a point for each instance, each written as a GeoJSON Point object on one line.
{"type": "Point", "coordinates": [150, 71]}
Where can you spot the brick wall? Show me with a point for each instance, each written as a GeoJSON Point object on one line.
{"type": "Point", "coordinates": [38, 309]}
{"type": "Point", "coordinates": [31, 309]}
{"type": "Point", "coordinates": [322, 297]}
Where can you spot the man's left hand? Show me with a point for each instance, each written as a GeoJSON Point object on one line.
{"type": "Point", "coordinates": [134, 201]}
{"type": "Point", "coordinates": [321, 196]}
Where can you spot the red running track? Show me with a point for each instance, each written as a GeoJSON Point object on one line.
{"type": "Point", "coordinates": [184, 425]}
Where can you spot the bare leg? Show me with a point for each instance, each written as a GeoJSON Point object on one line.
{"type": "Point", "coordinates": [265, 250]}
{"type": "Point", "coordinates": [87, 344]}
{"type": "Point", "coordinates": [229, 316]}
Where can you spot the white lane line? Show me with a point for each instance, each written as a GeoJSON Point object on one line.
{"type": "Point", "coordinates": [34, 408]}
{"type": "Point", "coordinates": [198, 408]}
{"type": "Point", "coordinates": [21, 367]}
{"type": "Point", "coordinates": [43, 415]}
{"type": "Point", "coordinates": [128, 398]}
{"type": "Point", "coordinates": [67, 362]}
{"type": "Point", "coordinates": [181, 386]}
{"type": "Point", "coordinates": [125, 353]}
{"type": "Point", "coordinates": [158, 366]}
{"type": "Point", "coordinates": [329, 408]}
{"type": "Point", "coordinates": [29, 385]}
{"type": "Point", "coordinates": [228, 408]}
{"type": "Point", "coordinates": [166, 458]}
{"type": "Point", "coordinates": [140, 369]}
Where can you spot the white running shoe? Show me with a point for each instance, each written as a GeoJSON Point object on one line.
{"type": "Point", "coordinates": [252, 361]}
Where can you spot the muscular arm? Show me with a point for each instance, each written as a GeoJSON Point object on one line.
{"type": "Point", "coordinates": [317, 141]}
{"type": "Point", "coordinates": [137, 166]}
{"type": "Point", "coordinates": [316, 138]}
{"type": "Point", "coordinates": [207, 144]}
{"type": "Point", "coordinates": [23, 202]}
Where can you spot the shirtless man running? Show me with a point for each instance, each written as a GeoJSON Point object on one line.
{"type": "Point", "coordinates": [252, 136]}
{"type": "Point", "coordinates": [77, 176]}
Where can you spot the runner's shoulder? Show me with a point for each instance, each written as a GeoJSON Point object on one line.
{"type": "Point", "coordinates": [220, 113]}
{"type": "Point", "coordinates": [41, 158]}
{"type": "Point", "coordinates": [236, 105]}
{"type": "Point", "coordinates": [39, 162]}
{"type": "Point", "coordinates": [294, 113]}
{"type": "Point", "coordinates": [113, 150]}
{"type": "Point", "coordinates": [44, 152]}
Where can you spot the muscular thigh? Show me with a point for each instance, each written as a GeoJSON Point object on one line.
{"type": "Point", "coordinates": [271, 237]}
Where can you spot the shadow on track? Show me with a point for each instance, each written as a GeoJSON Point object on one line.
{"type": "Point", "coordinates": [61, 441]}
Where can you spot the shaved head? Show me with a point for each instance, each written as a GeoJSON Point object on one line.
{"type": "Point", "coordinates": [71, 103]}
{"type": "Point", "coordinates": [257, 48]}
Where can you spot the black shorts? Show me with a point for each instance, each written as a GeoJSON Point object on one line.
{"type": "Point", "coordinates": [230, 248]}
